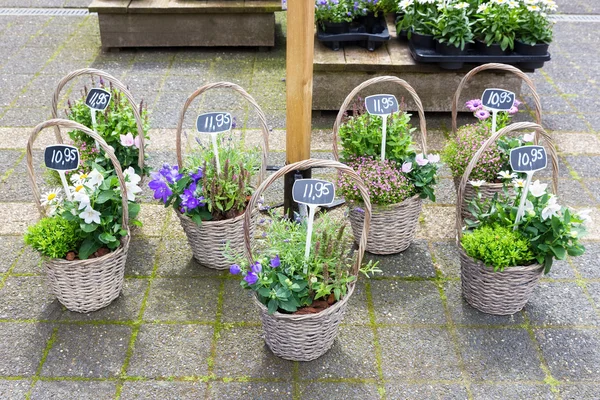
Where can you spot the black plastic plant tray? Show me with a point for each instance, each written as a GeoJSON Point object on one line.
{"type": "Point", "coordinates": [527, 62]}
{"type": "Point", "coordinates": [371, 41]}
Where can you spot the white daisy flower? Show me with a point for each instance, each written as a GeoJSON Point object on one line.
{"type": "Point", "coordinates": [477, 183]}
{"type": "Point", "coordinates": [78, 179]}
{"type": "Point", "coordinates": [51, 197]}
{"type": "Point", "coordinates": [506, 175]}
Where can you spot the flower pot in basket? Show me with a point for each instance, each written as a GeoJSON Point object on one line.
{"type": "Point", "coordinates": [86, 285]}
{"type": "Point", "coordinates": [299, 310]}
{"type": "Point", "coordinates": [396, 183]}
{"type": "Point", "coordinates": [500, 287]}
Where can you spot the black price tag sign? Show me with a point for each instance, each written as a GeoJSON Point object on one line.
{"type": "Point", "coordinates": [214, 122]}
{"type": "Point", "coordinates": [315, 192]}
{"type": "Point", "coordinates": [498, 99]}
{"type": "Point", "coordinates": [381, 104]}
{"type": "Point", "coordinates": [528, 158]}
{"type": "Point", "coordinates": [97, 99]}
{"type": "Point", "coordinates": [61, 157]}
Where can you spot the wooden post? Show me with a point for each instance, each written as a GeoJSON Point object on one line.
{"type": "Point", "coordinates": [299, 80]}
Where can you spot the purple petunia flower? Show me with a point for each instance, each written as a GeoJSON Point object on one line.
{"type": "Point", "coordinates": [482, 115]}
{"type": "Point", "coordinates": [275, 262]}
{"type": "Point", "coordinates": [251, 278]}
{"type": "Point", "coordinates": [235, 269]}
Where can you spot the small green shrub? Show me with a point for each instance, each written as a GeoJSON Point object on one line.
{"type": "Point", "coordinates": [498, 246]}
{"type": "Point", "coordinates": [54, 236]}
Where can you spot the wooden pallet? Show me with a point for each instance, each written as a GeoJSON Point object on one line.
{"type": "Point", "coordinates": [159, 23]}
{"type": "Point", "coordinates": [336, 73]}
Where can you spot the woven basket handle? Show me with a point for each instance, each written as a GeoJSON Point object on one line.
{"type": "Point", "coordinates": [502, 67]}
{"type": "Point", "coordinates": [373, 81]}
{"type": "Point", "coordinates": [75, 125]}
{"type": "Point", "coordinates": [119, 85]}
{"type": "Point", "coordinates": [261, 116]}
{"type": "Point", "coordinates": [510, 128]}
{"type": "Point", "coordinates": [302, 165]}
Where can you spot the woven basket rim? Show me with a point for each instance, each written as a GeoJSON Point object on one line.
{"type": "Point", "coordinates": [219, 222]}
{"type": "Point", "coordinates": [64, 262]}
{"type": "Point", "coordinates": [516, 268]}
{"type": "Point", "coordinates": [387, 206]}
{"type": "Point", "coordinates": [292, 317]}
{"type": "Point", "coordinates": [457, 179]}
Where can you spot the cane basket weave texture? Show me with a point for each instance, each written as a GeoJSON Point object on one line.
{"type": "Point", "coordinates": [209, 239]}
{"type": "Point", "coordinates": [392, 227]}
{"type": "Point", "coordinates": [506, 292]}
{"type": "Point", "coordinates": [84, 285]}
{"type": "Point", "coordinates": [307, 337]}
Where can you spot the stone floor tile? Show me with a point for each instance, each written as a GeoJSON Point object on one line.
{"type": "Point", "coordinates": [415, 261]}
{"type": "Point", "coordinates": [28, 298]}
{"type": "Point", "coordinates": [572, 193]}
{"type": "Point", "coordinates": [11, 389]}
{"type": "Point", "coordinates": [560, 303]}
{"type": "Point", "coordinates": [446, 259]}
{"type": "Point", "coordinates": [238, 304]}
{"type": "Point", "coordinates": [22, 346]}
{"type": "Point", "coordinates": [180, 299]}
{"type": "Point", "coordinates": [30, 262]}
{"type": "Point", "coordinates": [577, 143]}
{"type": "Point", "coordinates": [141, 257]}
{"type": "Point", "coordinates": [463, 314]}
{"type": "Point", "coordinates": [88, 351]}
{"type": "Point", "coordinates": [440, 222]}
{"type": "Point", "coordinates": [585, 166]}
{"type": "Point", "coordinates": [358, 309]}
{"type": "Point", "coordinates": [445, 192]}
{"type": "Point", "coordinates": [511, 391]}
{"type": "Point", "coordinates": [339, 391]}
{"type": "Point", "coordinates": [409, 354]}
{"type": "Point", "coordinates": [594, 187]}
{"type": "Point", "coordinates": [163, 390]}
{"type": "Point", "coordinates": [352, 356]}
{"type": "Point", "coordinates": [17, 217]}
{"type": "Point", "coordinates": [594, 291]}
{"type": "Point", "coordinates": [251, 390]}
{"type": "Point", "coordinates": [176, 260]}
{"type": "Point", "coordinates": [171, 350]}
{"type": "Point", "coordinates": [152, 218]}
{"type": "Point", "coordinates": [242, 352]}
{"type": "Point", "coordinates": [401, 390]}
{"type": "Point", "coordinates": [588, 264]}
{"type": "Point", "coordinates": [561, 269]}
{"type": "Point", "coordinates": [564, 122]}
{"type": "Point", "coordinates": [12, 247]}
{"type": "Point", "coordinates": [126, 307]}
{"type": "Point", "coordinates": [571, 355]}
{"type": "Point", "coordinates": [73, 390]}
{"type": "Point", "coordinates": [397, 302]}
{"type": "Point", "coordinates": [580, 392]}
{"type": "Point", "coordinates": [489, 354]}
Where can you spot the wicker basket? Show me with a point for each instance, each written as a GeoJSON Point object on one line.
{"type": "Point", "coordinates": [208, 239]}
{"type": "Point", "coordinates": [506, 292]}
{"type": "Point", "coordinates": [307, 337]}
{"type": "Point", "coordinates": [119, 85]}
{"type": "Point", "coordinates": [488, 190]}
{"type": "Point", "coordinates": [84, 285]}
{"type": "Point", "coordinates": [392, 227]}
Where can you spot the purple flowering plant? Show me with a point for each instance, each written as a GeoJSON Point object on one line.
{"type": "Point", "coordinates": [334, 11]}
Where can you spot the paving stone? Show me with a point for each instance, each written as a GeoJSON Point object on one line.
{"type": "Point", "coordinates": [73, 390]}
{"type": "Point", "coordinates": [152, 218]}
{"type": "Point", "coordinates": [339, 391]}
{"type": "Point", "coordinates": [577, 143]}
{"type": "Point", "coordinates": [594, 188]}
{"type": "Point", "coordinates": [25, 117]}
{"type": "Point", "coordinates": [563, 170]}
{"type": "Point", "coordinates": [141, 257]}
{"type": "Point", "coordinates": [588, 264]}
{"type": "Point", "coordinates": [22, 347]}
{"type": "Point", "coordinates": [171, 350]}
{"type": "Point", "coordinates": [410, 354]}
{"type": "Point", "coordinates": [180, 299]}
{"type": "Point", "coordinates": [446, 259]}
{"type": "Point", "coordinates": [511, 392]}
{"type": "Point", "coordinates": [565, 122]}
{"type": "Point", "coordinates": [585, 166]}
{"type": "Point", "coordinates": [572, 193]}
{"type": "Point", "coordinates": [10, 389]}
{"type": "Point", "coordinates": [90, 351]}
{"type": "Point", "coordinates": [571, 355]}
{"type": "Point", "coordinates": [251, 390]}
{"type": "Point", "coordinates": [415, 261]}
{"type": "Point", "coordinates": [401, 390]}
{"type": "Point", "coordinates": [397, 302]}
{"type": "Point", "coordinates": [439, 222]}
{"type": "Point", "coordinates": [28, 298]}
{"type": "Point", "coordinates": [594, 291]}
{"type": "Point", "coordinates": [445, 192]}
{"type": "Point", "coordinates": [495, 349]}
{"type": "Point", "coordinates": [358, 309]}
{"type": "Point", "coordinates": [30, 262]}
{"type": "Point", "coordinates": [352, 356]}
{"type": "Point", "coordinates": [126, 307]}
{"type": "Point", "coordinates": [238, 304]}
{"type": "Point", "coordinates": [462, 313]}
{"type": "Point", "coordinates": [580, 392]}
{"type": "Point", "coordinates": [560, 304]}
{"type": "Point", "coordinates": [163, 390]}
{"type": "Point", "coordinates": [560, 269]}
{"type": "Point", "coordinates": [242, 352]}
{"type": "Point", "coordinates": [12, 247]}
{"type": "Point", "coordinates": [176, 260]}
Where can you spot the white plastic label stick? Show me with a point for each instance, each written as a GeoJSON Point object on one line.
{"type": "Point", "coordinates": [311, 219]}
{"type": "Point", "coordinates": [63, 179]}
{"type": "Point", "coordinates": [213, 137]}
{"type": "Point", "coordinates": [521, 209]}
{"type": "Point", "coordinates": [383, 136]}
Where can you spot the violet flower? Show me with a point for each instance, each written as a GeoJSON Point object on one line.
{"type": "Point", "coordinates": [162, 191]}
{"type": "Point", "coordinates": [407, 167]}
{"type": "Point", "coordinates": [275, 262]}
{"type": "Point", "coordinates": [171, 174]}
{"type": "Point", "coordinates": [421, 160]}
{"type": "Point", "coordinates": [251, 278]}
{"type": "Point", "coordinates": [256, 267]}
{"type": "Point", "coordinates": [482, 114]}
{"type": "Point", "coordinates": [235, 269]}
{"type": "Point", "coordinates": [196, 176]}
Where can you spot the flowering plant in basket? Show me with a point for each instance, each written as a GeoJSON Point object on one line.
{"type": "Point", "coordinates": [547, 231]}
{"type": "Point", "coordinates": [285, 282]}
{"type": "Point", "coordinates": [91, 223]}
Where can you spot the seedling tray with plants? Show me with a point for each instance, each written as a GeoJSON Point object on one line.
{"type": "Point", "coordinates": [526, 62]}
{"type": "Point", "coordinates": [364, 33]}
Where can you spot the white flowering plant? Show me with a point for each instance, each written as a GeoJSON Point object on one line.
{"type": "Point", "coordinates": [453, 25]}
{"type": "Point", "coordinates": [416, 15]}
{"type": "Point", "coordinates": [534, 25]}
{"type": "Point", "coordinates": [497, 22]}
{"type": "Point", "coordinates": [94, 212]}
{"type": "Point", "coordinates": [551, 230]}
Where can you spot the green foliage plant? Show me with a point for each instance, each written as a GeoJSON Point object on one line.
{"type": "Point", "coordinates": [54, 236]}
{"type": "Point", "coordinates": [417, 13]}
{"type": "Point", "coordinates": [334, 11]}
{"type": "Point", "coordinates": [453, 25]}
{"type": "Point", "coordinates": [534, 25]}
{"type": "Point", "coordinates": [497, 22]}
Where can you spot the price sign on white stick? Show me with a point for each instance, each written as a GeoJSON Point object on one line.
{"type": "Point", "coordinates": [213, 123]}
{"type": "Point", "coordinates": [61, 158]}
{"type": "Point", "coordinates": [97, 100]}
{"type": "Point", "coordinates": [313, 193]}
{"type": "Point", "coordinates": [496, 100]}
{"type": "Point", "coordinates": [527, 159]}
{"type": "Point", "coordinates": [382, 105]}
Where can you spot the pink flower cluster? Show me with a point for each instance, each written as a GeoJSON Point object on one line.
{"type": "Point", "coordinates": [476, 106]}
{"type": "Point", "coordinates": [469, 139]}
{"type": "Point", "coordinates": [384, 180]}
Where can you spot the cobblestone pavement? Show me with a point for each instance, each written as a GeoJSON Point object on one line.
{"type": "Point", "coordinates": [180, 331]}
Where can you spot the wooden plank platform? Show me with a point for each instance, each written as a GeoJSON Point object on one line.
{"type": "Point", "coordinates": [158, 23]}
{"type": "Point", "coordinates": [336, 73]}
